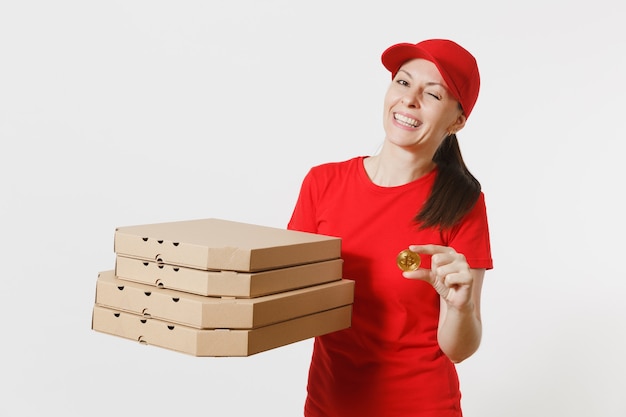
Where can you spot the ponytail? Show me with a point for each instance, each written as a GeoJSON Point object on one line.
{"type": "Point", "coordinates": [454, 192]}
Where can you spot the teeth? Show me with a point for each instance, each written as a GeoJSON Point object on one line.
{"type": "Point", "coordinates": [406, 120]}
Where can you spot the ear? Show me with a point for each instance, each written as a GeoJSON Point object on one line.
{"type": "Point", "coordinates": [458, 124]}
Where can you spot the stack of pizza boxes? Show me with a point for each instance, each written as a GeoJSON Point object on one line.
{"type": "Point", "coordinates": [213, 287]}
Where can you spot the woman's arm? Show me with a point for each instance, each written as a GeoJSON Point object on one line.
{"type": "Point", "coordinates": [460, 327]}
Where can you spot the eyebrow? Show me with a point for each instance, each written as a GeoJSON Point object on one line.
{"type": "Point", "coordinates": [404, 71]}
{"type": "Point", "coordinates": [435, 83]}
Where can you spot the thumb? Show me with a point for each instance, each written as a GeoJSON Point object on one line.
{"type": "Point", "coordinates": [423, 274]}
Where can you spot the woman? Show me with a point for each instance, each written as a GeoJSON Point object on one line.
{"type": "Point", "coordinates": [409, 328]}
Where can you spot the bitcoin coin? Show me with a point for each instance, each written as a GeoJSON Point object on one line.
{"type": "Point", "coordinates": [408, 260]}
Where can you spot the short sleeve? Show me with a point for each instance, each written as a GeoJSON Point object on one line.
{"type": "Point", "coordinates": [471, 237]}
{"type": "Point", "coordinates": [303, 217]}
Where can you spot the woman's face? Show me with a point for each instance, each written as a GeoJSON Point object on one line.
{"type": "Point", "coordinates": [419, 110]}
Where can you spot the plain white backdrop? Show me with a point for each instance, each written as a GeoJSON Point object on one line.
{"type": "Point", "coordinates": [115, 113]}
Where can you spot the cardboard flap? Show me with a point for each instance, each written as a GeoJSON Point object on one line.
{"type": "Point", "coordinates": [219, 312]}
{"type": "Point", "coordinates": [215, 244]}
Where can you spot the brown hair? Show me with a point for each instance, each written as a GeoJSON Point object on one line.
{"type": "Point", "coordinates": [454, 192]}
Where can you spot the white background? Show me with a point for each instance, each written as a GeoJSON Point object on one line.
{"type": "Point", "coordinates": [116, 113]}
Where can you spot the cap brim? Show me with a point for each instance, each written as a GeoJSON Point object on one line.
{"type": "Point", "coordinates": [396, 55]}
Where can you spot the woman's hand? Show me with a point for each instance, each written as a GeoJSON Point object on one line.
{"type": "Point", "coordinates": [449, 274]}
{"type": "Point", "coordinates": [460, 327]}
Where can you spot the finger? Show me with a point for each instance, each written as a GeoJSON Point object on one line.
{"type": "Point", "coordinates": [443, 266]}
{"type": "Point", "coordinates": [457, 279]}
{"type": "Point", "coordinates": [431, 249]}
{"type": "Point", "coordinates": [422, 274]}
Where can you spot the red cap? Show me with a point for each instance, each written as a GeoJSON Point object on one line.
{"type": "Point", "coordinates": [457, 66]}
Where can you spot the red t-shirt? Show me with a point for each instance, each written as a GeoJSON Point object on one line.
{"type": "Point", "coordinates": [388, 363]}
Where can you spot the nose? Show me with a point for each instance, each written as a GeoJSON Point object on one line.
{"type": "Point", "coordinates": [410, 100]}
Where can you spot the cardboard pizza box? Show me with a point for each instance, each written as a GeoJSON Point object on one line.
{"type": "Point", "coordinates": [227, 283]}
{"type": "Point", "coordinates": [216, 244]}
{"type": "Point", "coordinates": [219, 312]}
{"type": "Point", "coordinates": [219, 342]}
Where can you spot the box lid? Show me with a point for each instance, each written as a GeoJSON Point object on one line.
{"type": "Point", "coordinates": [216, 312]}
{"type": "Point", "coordinates": [202, 342]}
{"type": "Point", "coordinates": [216, 244]}
{"type": "Point", "coordinates": [227, 283]}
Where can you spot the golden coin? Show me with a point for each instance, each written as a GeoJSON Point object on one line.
{"type": "Point", "coordinates": [408, 260]}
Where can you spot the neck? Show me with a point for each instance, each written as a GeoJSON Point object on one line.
{"type": "Point", "coordinates": [388, 170]}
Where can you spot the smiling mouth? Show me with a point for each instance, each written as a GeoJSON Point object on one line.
{"type": "Point", "coordinates": [406, 121]}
